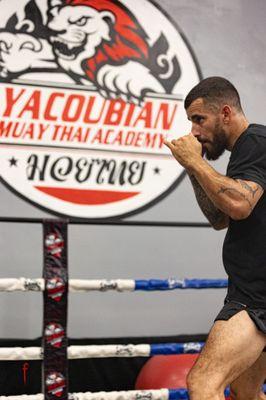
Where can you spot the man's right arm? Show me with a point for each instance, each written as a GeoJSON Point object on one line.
{"type": "Point", "coordinates": [217, 218]}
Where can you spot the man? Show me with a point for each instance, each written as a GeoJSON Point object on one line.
{"type": "Point", "coordinates": [235, 349]}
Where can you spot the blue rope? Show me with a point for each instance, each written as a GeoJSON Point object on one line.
{"type": "Point", "coordinates": [177, 394]}
{"type": "Point", "coordinates": [175, 348]}
{"type": "Point", "coordinates": [171, 284]}
{"type": "Point", "coordinates": [182, 394]}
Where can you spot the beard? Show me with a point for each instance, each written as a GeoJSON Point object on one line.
{"type": "Point", "coordinates": [218, 145]}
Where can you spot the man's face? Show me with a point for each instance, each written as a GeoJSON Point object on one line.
{"type": "Point", "coordinates": [208, 128]}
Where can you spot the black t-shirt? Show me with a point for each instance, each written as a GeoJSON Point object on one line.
{"type": "Point", "coordinates": [244, 250]}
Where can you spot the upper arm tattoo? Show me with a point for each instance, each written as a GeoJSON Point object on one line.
{"type": "Point", "coordinates": [244, 197]}
{"type": "Point", "coordinates": [251, 192]}
{"type": "Point", "coordinates": [249, 188]}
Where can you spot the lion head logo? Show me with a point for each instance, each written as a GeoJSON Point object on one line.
{"type": "Point", "coordinates": [95, 43]}
{"type": "Point", "coordinates": [102, 43]}
{"type": "Point", "coordinates": [94, 33]}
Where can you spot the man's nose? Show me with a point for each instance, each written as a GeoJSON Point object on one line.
{"type": "Point", "coordinates": [195, 132]}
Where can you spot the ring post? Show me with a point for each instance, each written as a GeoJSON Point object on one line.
{"type": "Point", "coordinates": [55, 274]}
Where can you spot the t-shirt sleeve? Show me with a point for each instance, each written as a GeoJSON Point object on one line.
{"type": "Point", "coordinates": [250, 161]}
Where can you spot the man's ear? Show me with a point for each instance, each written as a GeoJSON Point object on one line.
{"type": "Point", "coordinates": [226, 113]}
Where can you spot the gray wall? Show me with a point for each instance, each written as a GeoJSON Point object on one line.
{"type": "Point", "coordinates": [228, 38]}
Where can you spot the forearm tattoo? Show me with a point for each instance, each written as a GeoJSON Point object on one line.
{"type": "Point", "coordinates": [212, 213]}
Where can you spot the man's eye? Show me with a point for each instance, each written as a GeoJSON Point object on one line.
{"type": "Point", "coordinates": [199, 119]}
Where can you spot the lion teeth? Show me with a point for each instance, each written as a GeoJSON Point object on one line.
{"type": "Point", "coordinates": [70, 45]}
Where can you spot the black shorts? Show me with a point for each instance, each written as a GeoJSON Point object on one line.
{"type": "Point", "coordinates": [231, 307]}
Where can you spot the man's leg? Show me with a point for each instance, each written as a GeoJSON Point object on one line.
{"type": "Point", "coordinates": [231, 348]}
{"type": "Point", "coordinates": [248, 385]}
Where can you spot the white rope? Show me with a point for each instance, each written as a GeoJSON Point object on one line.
{"type": "Point", "coordinates": [83, 285]}
{"type": "Point", "coordinates": [20, 353]}
{"type": "Point", "coordinates": [75, 285]}
{"type": "Point", "coordinates": [23, 397]}
{"type": "Point", "coordinates": [77, 352]}
{"type": "Point", "coordinates": [21, 284]}
{"type": "Point", "coordinates": [161, 394]}
{"type": "Point", "coordinates": [130, 350]}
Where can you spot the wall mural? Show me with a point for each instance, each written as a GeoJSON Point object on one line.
{"type": "Point", "coordinates": [89, 89]}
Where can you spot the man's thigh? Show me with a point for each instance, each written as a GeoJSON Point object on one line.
{"type": "Point", "coordinates": [248, 384]}
{"type": "Point", "coordinates": [231, 348]}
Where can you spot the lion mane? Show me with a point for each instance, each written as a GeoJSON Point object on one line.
{"type": "Point", "coordinates": [129, 40]}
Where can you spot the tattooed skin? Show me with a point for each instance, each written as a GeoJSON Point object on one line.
{"type": "Point", "coordinates": [248, 187]}
{"type": "Point", "coordinates": [244, 197]}
{"type": "Point", "coordinates": [248, 192]}
{"type": "Point", "coordinates": [215, 216]}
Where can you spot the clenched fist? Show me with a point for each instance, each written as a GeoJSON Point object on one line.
{"type": "Point", "coordinates": [187, 150]}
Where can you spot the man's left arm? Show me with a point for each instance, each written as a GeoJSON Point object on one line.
{"type": "Point", "coordinates": [235, 197]}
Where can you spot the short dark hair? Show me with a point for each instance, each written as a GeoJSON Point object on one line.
{"type": "Point", "coordinates": [214, 91]}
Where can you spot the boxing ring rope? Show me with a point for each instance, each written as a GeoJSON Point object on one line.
{"type": "Point", "coordinates": [162, 394]}
{"type": "Point", "coordinates": [106, 222]}
{"type": "Point", "coordinates": [103, 351]}
{"type": "Point", "coordinates": [120, 285]}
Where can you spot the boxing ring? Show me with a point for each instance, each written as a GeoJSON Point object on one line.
{"type": "Point", "coordinates": [55, 287]}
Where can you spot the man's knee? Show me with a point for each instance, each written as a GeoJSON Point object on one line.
{"type": "Point", "coordinates": [198, 384]}
{"type": "Point", "coordinates": [194, 379]}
